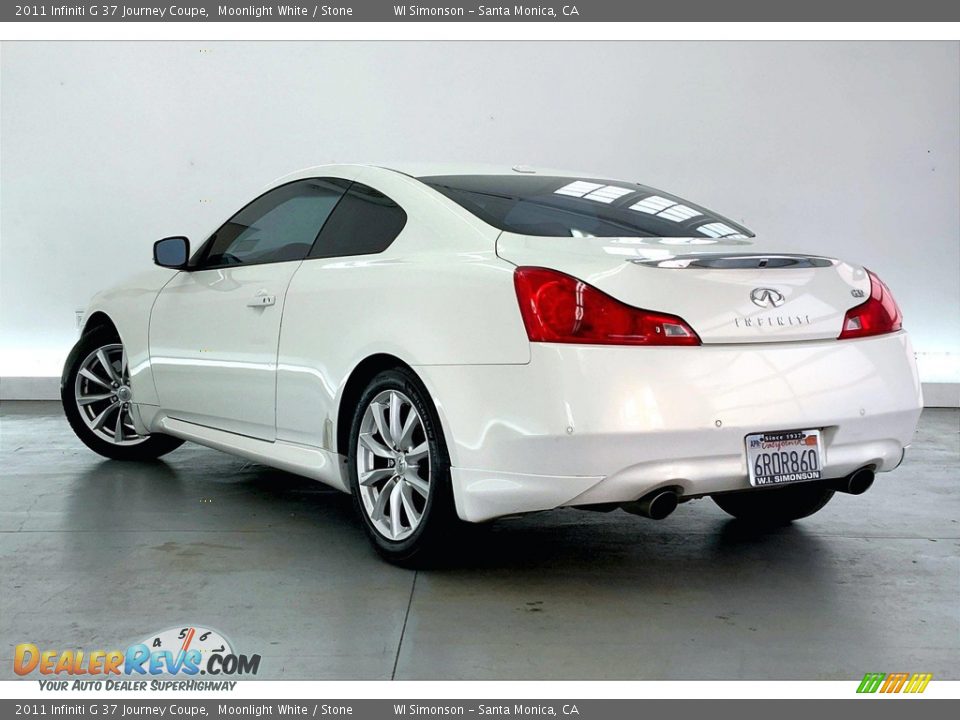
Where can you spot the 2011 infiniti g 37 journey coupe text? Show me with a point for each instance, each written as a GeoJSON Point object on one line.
{"type": "Point", "coordinates": [465, 345]}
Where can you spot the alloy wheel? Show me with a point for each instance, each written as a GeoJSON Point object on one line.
{"type": "Point", "coordinates": [393, 465]}
{"type": "Point", "coordinates": [103, 396]}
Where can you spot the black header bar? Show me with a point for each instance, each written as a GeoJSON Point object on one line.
{"type": "Point", "coordinates": [569, 10]}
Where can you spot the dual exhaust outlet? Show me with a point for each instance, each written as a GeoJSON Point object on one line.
{"type": "Point", "coordinates": [658, 504]}
{"type": "Point", "coordinates": [857, 483]}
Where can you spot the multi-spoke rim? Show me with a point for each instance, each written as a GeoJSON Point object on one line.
{"type": "Point", "coordinates": [103, 396]}
{"type": "Point", "coordinates": [393, 465]}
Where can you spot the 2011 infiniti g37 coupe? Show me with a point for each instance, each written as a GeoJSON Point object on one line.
{"type": "Point", "coordinates": [465, 345]}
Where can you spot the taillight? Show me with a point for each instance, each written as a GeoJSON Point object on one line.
{"type": "Point", "coordinates": [558, 308]}
{"type": "Point", "coordinates": [877, 316]}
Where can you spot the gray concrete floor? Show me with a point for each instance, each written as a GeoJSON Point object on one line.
{"type": "Point", "coordinates": [95, 554]}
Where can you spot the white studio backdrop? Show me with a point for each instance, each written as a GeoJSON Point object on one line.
{"type": "Point", "coordinates": [850, 149]}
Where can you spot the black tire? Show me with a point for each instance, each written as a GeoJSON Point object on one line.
{"type": "Point", "coordinates": [149, 448]}
{"type": "Point", "coordinates": [439, 523]}
{"type": "Point", "coordinates": [776, 506]}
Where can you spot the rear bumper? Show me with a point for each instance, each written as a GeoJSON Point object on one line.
{"type": "Point", "coordinates": [580, 425]}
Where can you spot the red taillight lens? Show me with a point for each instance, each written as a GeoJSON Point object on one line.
{"type": "Point", "coordinates": [558, 308]}
{"type": "Point", "coordinates": [877, 316]}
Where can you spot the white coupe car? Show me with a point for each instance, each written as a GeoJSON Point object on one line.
{"type": "Point", "coordinates": [462, 345]}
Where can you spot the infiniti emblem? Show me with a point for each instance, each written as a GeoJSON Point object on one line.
{"type": "Point", "coordinates": [766, 297]}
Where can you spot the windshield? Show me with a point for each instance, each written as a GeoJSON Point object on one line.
{"type": "Point", "coordinates": [571, 207]}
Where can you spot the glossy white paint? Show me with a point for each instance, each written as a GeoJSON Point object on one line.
{"type": "Point", "coordinates": [213, 346]}
{"type": "Point", "coordinates": [128, 307]}
{"type": "Point", "coordinates": [437, 296]}
{"type": "Point", "coordinates": [644, 272]}
{"type": "Point", "coordinates": [311, 462]}
{"type": "Point", "coordinates": [581, 425]}
{"type": "Point", "coordinates": [529, 426]}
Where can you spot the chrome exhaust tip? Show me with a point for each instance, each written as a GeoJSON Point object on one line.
{"type": "Point", "coordinates": [656, 506]}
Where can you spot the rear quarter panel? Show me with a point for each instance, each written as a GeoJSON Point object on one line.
{"type": "Point", "coordinates": [438, 295]}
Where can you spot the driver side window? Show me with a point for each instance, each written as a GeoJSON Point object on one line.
{"type": "Point", "coordinates": [278, 226]}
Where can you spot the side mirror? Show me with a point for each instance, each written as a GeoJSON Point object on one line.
{"type": "Point", "coordinates": [172, 252]}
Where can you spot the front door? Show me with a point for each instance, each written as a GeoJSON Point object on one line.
{"type": "Point", "coordinates": [214, 329]}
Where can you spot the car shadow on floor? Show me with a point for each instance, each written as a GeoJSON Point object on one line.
{"type": "Point", "coordinates": [283, 563]}
{"type": "Point", "coordinates": [200, 488]}
{"type": "Point", "coordinates": [569, 579]}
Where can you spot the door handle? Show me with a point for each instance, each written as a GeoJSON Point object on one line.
{"type": "Point", "coordinates": [262, 299]}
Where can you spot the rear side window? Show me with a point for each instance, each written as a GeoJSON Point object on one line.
{"type": "Point", "coordinates": [574, 207]}
{"type": "Point", "coordinates": [279, 226]}
{"type": "Point", "coordinates": [364, 222]}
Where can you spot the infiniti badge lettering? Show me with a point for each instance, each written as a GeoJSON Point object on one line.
{"type": "Point", "coordinates": [772, 321]}
{"type": "Point", "coordinates": [766, 297]}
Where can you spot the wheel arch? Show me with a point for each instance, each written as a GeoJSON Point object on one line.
{"type": "Point", "coordinates": [358, 379]}
{"type": "Point", "coordinates": [100, 320]}
{"type": "Point", "coordinates": [361, 375]}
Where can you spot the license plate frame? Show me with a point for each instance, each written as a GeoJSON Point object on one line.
{"type": "Point", "coordinates": [784, 457]}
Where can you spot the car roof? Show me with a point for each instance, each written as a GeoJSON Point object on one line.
{"type": "Point", "coordinates": [428, 169]}
{"type": "Point", "coordinates": [424, 169]}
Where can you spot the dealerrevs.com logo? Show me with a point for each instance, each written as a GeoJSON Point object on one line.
{"type": "Point", "coordinates": [184, 652]}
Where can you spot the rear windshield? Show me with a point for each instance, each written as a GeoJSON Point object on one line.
{"type": "Point", "coordinates": [572, 207]}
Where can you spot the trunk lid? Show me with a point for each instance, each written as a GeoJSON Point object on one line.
{"type": "Point", "coordinates": [726, 291]}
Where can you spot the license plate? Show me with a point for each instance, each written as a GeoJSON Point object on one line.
{"type": "Point", "coordinates": [775, 458]}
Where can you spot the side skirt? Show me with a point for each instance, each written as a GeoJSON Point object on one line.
{"type": "Point", "coordinates": [323, 465]}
